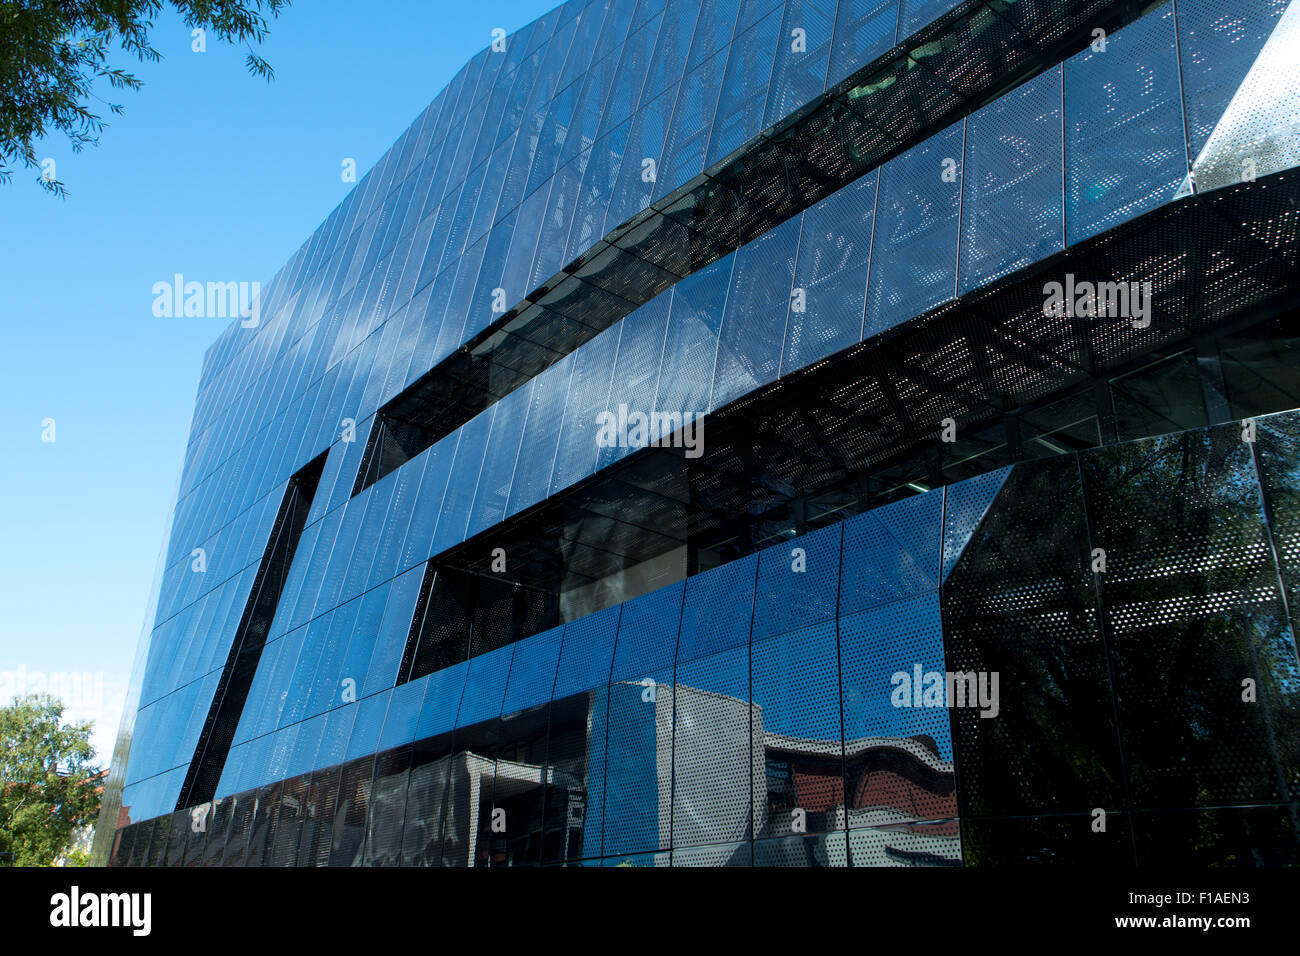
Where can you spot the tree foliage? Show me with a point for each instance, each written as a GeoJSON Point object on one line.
{"type": "Point", "coordinates": [53, 53]}
{"type": "Point", "coordinates": [46, 785]}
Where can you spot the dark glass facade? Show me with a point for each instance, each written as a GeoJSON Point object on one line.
{"type": "Point", "coordinates": [670, 454]}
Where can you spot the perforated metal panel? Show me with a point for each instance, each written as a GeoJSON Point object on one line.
{"type": "Point", "coordinates": [1125, 150]}
{"type": "Point", "coordinates": [1193, 609]}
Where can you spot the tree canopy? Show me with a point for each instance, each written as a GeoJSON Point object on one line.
{"type": "Point", "coordinates": [53, 53]}
{"type": "Point", "coordinates": [48, 785]}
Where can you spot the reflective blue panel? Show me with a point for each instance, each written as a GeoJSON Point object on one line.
{"type": "Point", "coordinates": [831, 275]}
{"type": "Point", "coordinates": [796, 696]}
{"type": "Point", "coordinates": [917, 13]}
{"type": "Point", "coordinates": [647, 633]}
{"type": "Point", "coordinates": [485, 686]}
{"type": "Point", "coordinates": [1125, 151]}
{"type": "Point", "coordinates": [717, 771]}
{"type": "Point", "coordinates": [743, 97]}
{"type": "Point", "coordinates": [498, 470]}
{"type": "Point", "coordinates": [532, 476]}
{"type": "Point", "coordinates": [434, 466]}
{"type": "Point", "coordinates": [557, 220]}
{"type": "Point", "coordinates": [686, 371]}
{"type": "Point", "coordinates": [643, 157]}
{"type": "Point", "coordinates": [442, 700]}
{"type": "Point", "coordinates": [369, 722]}
{"type": "Point", "coordinates": [880, 652]}
{"type": "Point", "coordinates": [490, 298]}
{"type": "Point", "coordinates": [587, 653]}
{"type": "Point", "coordinates": [636, 367]}
{"type": "Point", "coordinates": [798, 582]}
{"type": "Point", "coordinates": [393, 632]}
{"type": "Point", "coordinates": [802, 56]}
{"type": "Point", "coordinates": [704, 631]}
{"type": "Point", "coordinates": [360, 623]}
{"type": "Point", "coordinates": [864, 29]}
{"type": "Point", "coordinates": [517, 271]}
{"type": "Point", "coordinates": [891, 552]}
{"type": "Point", "coordinates": [464, 480]}
{"type": "Point", "coordinates": [692, 123]}
{"type": "Point", "coordinates": [403, 713]}
{"type": "Point", "coordinates": [532, 670]}
{"type": "Point", "coordinates": [638, 777]}
{"type": "Point", "coordinates": [914, 255]}
{"type": "Point", "coordinates": [335, 736]}
{"type": "Point", "coordinates": [754, 322]}
{"type": "Point", "coordinates": [277, 691]}
{"type": "Point", "coordinates": [1012, 205]}
{"type": "Point", "coordinates": [671, 49]}
{"type": "Point", "coordinates": [593, 367]}
{"type": "Point", "coordinates": [305, 747]}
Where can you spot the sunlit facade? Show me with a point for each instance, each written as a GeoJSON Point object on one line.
{"type": "Point", "coordinates": [749, 432]}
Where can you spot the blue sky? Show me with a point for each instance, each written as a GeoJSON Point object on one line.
{"type": "Point", "coordinates": [211, 173]}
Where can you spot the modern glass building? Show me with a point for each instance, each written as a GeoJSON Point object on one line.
{"type": "Point", "coordinates": [747, 432]}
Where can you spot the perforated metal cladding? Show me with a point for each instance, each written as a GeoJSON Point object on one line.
{"type": "Point", "coordinates": [282, 848]}
{"type": "Point", "coordinates": [798, 582]}
{"type": "Point", "coordinates": [1012, 211]}
{"type": "Point", "coordinates": [174, 854]}
{"type": "Point", "coordinates": [796, 716]}
{"type": "Point", "coordinates": [919, 844]}
{"type": "Point", "coordinates": [638, 757]}
{"type": "Point", "coordinates": [797, 71]}
{"type": "Point", "coordinates": [864, 29]}
{"type": "Point", "coordinates": [318, 818]}
{"type": "Point", "coordinates": [262, 824]}
{"type": "Point", "coordinates": [739, 113]}
{"type": "Point", "coordinates": [1193, 609]}
{"type": "Point", "coordinates": [897, 745]}
{"type": "Point", "coordinates": [350, 812]}
{"type": "Point", "coordinates": [891, 552]}
{"type": "Point", "coordinates": [818, 850]}
{"type": "Point", "coordinates": [1223, 269]}
{"type": "Point", "coordinates": [235, 850]}
{"type": "Point", "coordinates": [1021, 602]}
{"type": "Point", "coordinates": [588, 391]}
{"type": "Point", "coordinates": [1217, 48]}
{"type": "Point", "coordinates": [916, 232]}
{"type": "Point", "coordinates": [425, 798]}
{"type": "Point", "coordinates": [705, 632]}
{"type": "Point", "coordinates": [532, 671]}
{"type": "Point", "coordinates": [690, 351]}
{"type": "Point", "coordinates": [965, 505]}
{"type": "Point", "coordinates": [1277, 457]}
{"type": "Point", "coordinates": [392, 772]}
{"type": "Point", "coordinates": [636, 367]}
{"type": "Point", "coordinates": [830, 282]}
{"type": "Point", "coordinates": [1125, 149]}
{"type": "Point", "coordinates": [218, 833]}
{"type": "Point", "coordinates": [532, 473]}
{"type": "Point", "coordinates": [465, 471]}
{"type": "Point", "coordinates": [754, 322]}
{"type": "Point", "coordinates": [717, 765]}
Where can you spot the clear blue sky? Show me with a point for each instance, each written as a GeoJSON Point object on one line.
{"type": "Point", "coordinates": [211, 173]}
